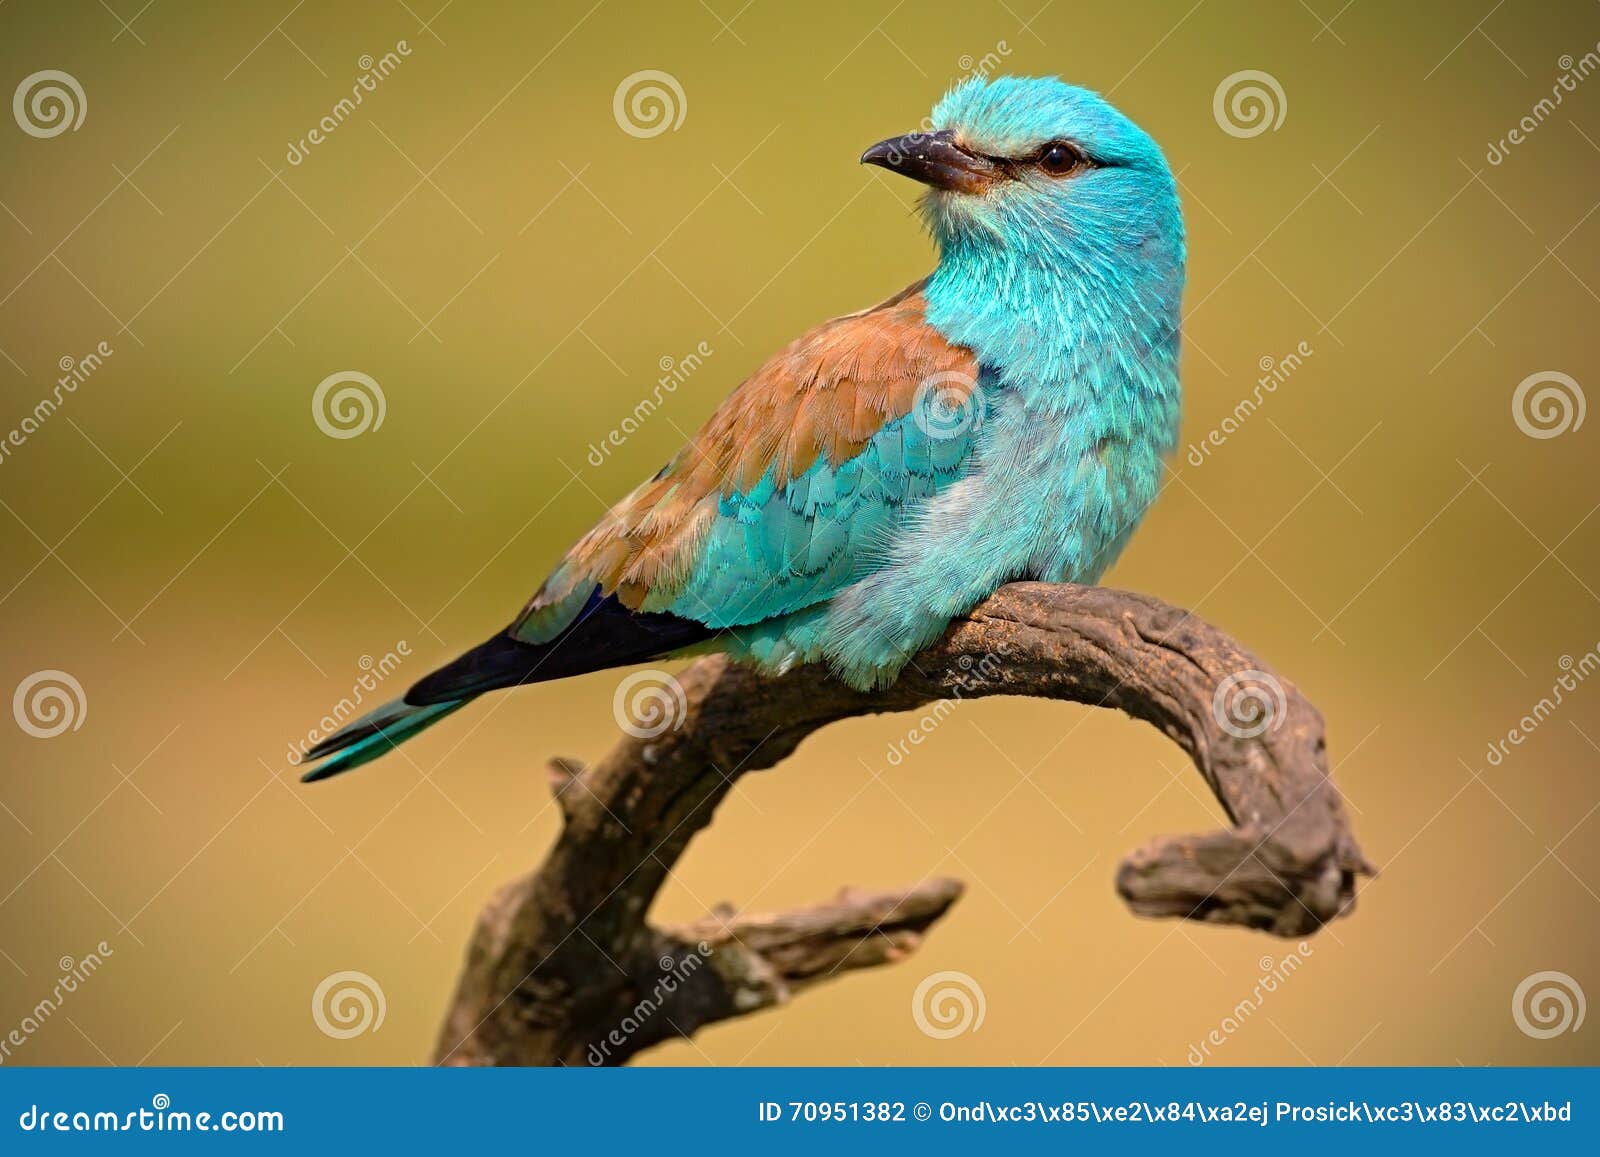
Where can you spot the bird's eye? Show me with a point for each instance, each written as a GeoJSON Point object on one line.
{"type": "Point", "coordinates": [1059, 158]}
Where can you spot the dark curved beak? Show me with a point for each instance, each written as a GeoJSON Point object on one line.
{"type": "Point", "coordinates": [934, 159]}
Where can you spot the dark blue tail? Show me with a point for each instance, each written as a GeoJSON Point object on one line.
{"type": "Point", "coordinates": [603, 634]}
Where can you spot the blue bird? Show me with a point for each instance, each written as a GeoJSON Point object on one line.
{"type": "Point", "coordinates": [1004, 418]}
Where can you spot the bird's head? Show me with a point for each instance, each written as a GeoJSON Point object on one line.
{"type": "Point", "coordinates": [1036, 166]}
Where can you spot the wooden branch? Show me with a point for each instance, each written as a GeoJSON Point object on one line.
{"type": "Point", "coordinates": [563, 969]}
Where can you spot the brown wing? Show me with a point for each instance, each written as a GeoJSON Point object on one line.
{"type": "Point", "coordinates": [824, 396]}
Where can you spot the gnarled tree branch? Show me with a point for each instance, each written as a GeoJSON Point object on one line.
{"type": "Point", "coordinates": [563, 969]}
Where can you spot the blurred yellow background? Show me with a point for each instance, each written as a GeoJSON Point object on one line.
{"type": "Point", "coordinates": [482, 237]}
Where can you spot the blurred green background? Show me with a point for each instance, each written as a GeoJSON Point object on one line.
{"type": "Point", "coordinates": [482, 238]}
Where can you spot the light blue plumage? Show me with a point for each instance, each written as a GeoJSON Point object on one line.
{"type": "Point", "coordinates": [1005, 418]}
{"type": "Point", "coordinates": [1068, 291]}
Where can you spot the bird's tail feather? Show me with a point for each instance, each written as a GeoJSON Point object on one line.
{"type": "Point", "coordinates": [602, 633]}
{"type": "Point", "coordinates": [375, 734]}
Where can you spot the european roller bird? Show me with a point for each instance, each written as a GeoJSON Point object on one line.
{"type": "Point", "coordinates": [1006, 417]}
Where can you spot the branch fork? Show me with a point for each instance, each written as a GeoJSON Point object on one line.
{"type": "Point", "coordinates": [563, 968]}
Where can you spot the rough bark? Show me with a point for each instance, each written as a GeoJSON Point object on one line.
{"type": "Point", "coordinates": [563, 968]}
